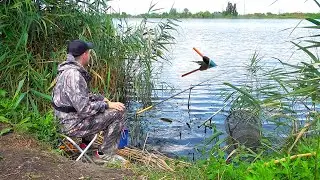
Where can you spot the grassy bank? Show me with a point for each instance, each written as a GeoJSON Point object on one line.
{"type": "Point", "coordinates": [262, 167]}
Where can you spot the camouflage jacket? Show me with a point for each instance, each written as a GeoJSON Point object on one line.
{"type": "Point", "coordinates": [71, 90]}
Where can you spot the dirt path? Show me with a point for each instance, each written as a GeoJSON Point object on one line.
{"type": "Point", "coordinates": [25, 158]}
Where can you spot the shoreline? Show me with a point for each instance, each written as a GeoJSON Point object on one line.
{"type": "Point", "coordinates": [244, 18]}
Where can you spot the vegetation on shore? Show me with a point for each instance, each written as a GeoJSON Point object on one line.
{"type": "Point", "coordinates": [219, 15]}
{"type": "Point", "coordinates": [229, 12]}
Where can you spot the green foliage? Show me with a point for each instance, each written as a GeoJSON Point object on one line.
{"type": "Point", "coordinates": [11, 110]}
{"type": "Point", "coordinates": [215, 167]}
{"type": "Point", "coordinates": [45, 128]}
{"type": "Point", "coordinates": [17, 117]}
{"type": "Point", "coordinates": [34, 35]}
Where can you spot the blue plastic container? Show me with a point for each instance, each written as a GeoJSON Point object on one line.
{"type": "Point", "coordinates": [124, 139]}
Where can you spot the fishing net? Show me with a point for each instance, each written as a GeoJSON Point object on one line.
{"type": "Point", "coordinates": [243, 128]}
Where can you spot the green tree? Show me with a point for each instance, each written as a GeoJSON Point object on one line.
{"type": "Point", "coordinates": [186, 11]}
{"type": "Point", "coordinates": [206, 14]}
{"type": "Point", "coordinates": [173, 11]}
{"type": "Point", "coordinates": [124, 14]}
{"type": "Point", "coordinates": [231, 10]}
{"type": "Point", "coordinates": [234, 10]}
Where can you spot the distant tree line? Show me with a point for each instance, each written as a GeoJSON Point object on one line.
{"type": "Point", "coordinates": [208, 15]}
{"type": "Point", "coordinates": [173, 13]}
{"type": "Point", "coordinates": [230, 12]}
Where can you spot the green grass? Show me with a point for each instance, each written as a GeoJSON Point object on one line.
{"type": "Point", "coordinates": [215, 167]}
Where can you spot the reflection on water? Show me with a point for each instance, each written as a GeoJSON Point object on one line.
{"type": "Point", "coordinates": [231, 44]}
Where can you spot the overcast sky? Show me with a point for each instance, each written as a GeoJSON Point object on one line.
{"type": "Point", "coordinates": [247, 6]}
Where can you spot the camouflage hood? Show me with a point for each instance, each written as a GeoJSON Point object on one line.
{"type": "Point", "coordinates": [71, 63]}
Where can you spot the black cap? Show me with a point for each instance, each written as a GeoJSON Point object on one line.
{"type": "Point", "coordinates": [78, 47]}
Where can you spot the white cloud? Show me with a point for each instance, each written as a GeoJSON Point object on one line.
{"type": "Point", "coordinates": [250, 6]}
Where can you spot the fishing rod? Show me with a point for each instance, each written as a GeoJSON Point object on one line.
{"type": "Point", "coordinates": [193, 86]}
{"type": "Point", "coordinates": [149, 107]}
{"type": "Point", "coordinates": [210, 118]}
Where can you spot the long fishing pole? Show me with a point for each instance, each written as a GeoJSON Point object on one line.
{"type": "Point", "coordinates": [204, 122]}
{"type": "Point", "coordinates": [193, 86]}
{"type": "Point", "coordinates": [149, 107]}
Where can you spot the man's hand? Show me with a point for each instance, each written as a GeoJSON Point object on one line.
{"type": "Point", "coordinates": [115, 105]}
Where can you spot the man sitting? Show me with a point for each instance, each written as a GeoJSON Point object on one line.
{"type": "Point", "coordinates": [81, 113]}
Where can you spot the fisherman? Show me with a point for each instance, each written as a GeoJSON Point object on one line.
{"type": "Point", "coordinates": [81, 113]}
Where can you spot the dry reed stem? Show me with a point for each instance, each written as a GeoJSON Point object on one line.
{"type": "Point", "coordinates": [305, 128]}
{"type": "Point", "coordinates": [291, 158]}
{"type": "Point", "coordinates": [232, 152]}
{"type": "Point", "coordinates": [151, 159]}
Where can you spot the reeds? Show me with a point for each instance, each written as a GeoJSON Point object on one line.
{"type": "Point", "coordinates": [34, 35]}
{"type": "Point", "coordinates": [285, 94]}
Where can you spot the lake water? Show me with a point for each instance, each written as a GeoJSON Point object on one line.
{"type": "Point", "coordinates": [230, 43]}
